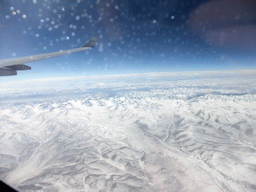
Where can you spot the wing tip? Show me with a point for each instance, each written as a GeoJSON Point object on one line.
{"type": "Point", "coordinates": [92, 42]}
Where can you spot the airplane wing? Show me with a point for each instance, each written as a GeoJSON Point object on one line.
{"type": "Point", "coordinates": [10, 67]}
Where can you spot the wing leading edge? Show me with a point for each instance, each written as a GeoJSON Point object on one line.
{"type": "Point", "coordinates": [10, 67]}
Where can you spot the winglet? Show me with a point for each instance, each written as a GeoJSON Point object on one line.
{"type": "Point", "coordinates": [91, 43]}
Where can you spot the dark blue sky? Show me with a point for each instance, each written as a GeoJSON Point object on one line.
{"type": "Point", "coordinates": [135, 36]}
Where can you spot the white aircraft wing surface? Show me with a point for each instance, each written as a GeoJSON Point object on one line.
{"type": "Point", "coordinates": [10, 67]}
